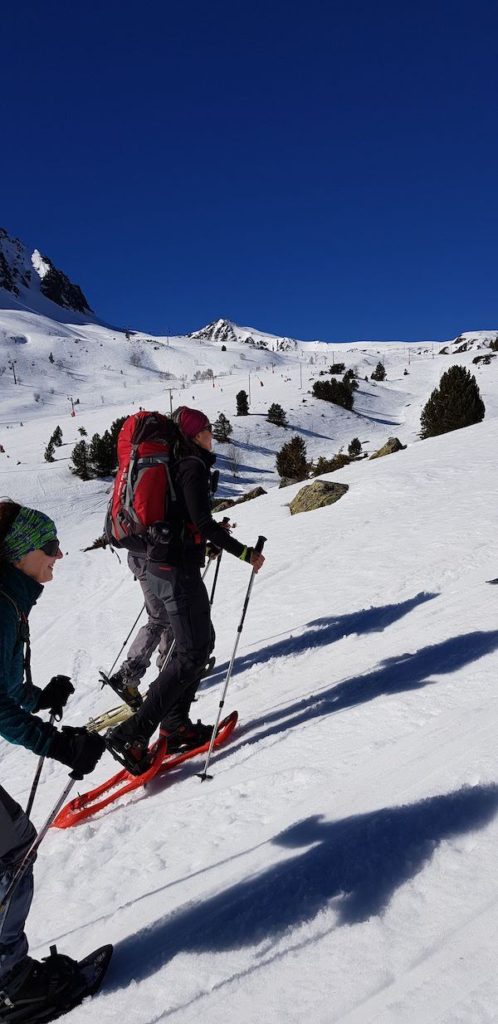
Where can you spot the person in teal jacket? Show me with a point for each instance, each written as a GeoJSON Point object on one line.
{"type": "Point", "coordinates": [29, 551]}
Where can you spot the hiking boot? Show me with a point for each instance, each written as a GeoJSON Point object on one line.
{"type": "Point", "coordinates": [132, 751]}
{"type": "Point", "coordinates": [187, 736]}
{"type": "Point", "coordinates": [34, 990]}
{"type": "Point", "coordinates": [124, 687]}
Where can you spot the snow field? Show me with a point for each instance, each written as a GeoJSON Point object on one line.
{"type": "Point", "coordinates": [340, 866]}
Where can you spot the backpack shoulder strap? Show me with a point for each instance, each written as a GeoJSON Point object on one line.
{"type": "Point", "coordinates": [22, 635]}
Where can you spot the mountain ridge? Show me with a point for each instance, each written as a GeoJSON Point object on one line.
{"type": "Point", "coordinates": [26, 273]}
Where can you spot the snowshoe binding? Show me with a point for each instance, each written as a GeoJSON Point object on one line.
{"type": "Point", "coordinates": [35, 992]}
{"type": "Point", "coordinates": [131, 751]}
{"type": "Point", "coordinates": [127, 690]}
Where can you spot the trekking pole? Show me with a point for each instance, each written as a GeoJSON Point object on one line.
{"type": "Point", "coordinates": [224, 521]}
{"type": "Point", "coordinates": [127, 638]}
{"type": "Point", "coordinates": [203, 775]}
{"type": "Point", "coordinates": [36, 779]}
{"type": "Point", "coordinates": [213, 588]}
{"type": "Point", "coordinates": [31, 853]}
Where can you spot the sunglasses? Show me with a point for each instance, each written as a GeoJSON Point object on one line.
{"type": "Point", "coordinates": [51, 547]}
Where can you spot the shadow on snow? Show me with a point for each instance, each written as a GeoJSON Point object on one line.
{"type": "Point", "coordinates": [394, 675]}
{"type": "Point", "coordinates": [357, 862]}
{"type": "Point", "coordinates": [326, 630]}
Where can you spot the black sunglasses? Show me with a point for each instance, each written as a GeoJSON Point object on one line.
{"type": "Point", "coordinates": [51, 547]}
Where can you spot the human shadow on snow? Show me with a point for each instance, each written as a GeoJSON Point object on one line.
{"type": "Point", "coordinates": [357, 862]}
{"type": "Point", "coordinates": [394, 675]}
{"type": "Point", "coordinates": [323, 631]}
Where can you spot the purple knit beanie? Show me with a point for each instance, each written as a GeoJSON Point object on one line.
{"type": "Point", "coordinates": [192, 421]}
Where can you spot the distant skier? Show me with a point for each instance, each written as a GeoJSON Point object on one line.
{"type": "Point", "coordinates": [176, 553]}
{"type": "Point", "coordinates": [29, 549]}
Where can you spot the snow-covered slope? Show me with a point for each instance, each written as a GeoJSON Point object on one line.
{"type": "Point", "coordinates": [47, 368]}
{"type": "Point", "coordinates": [340, 867]}
{"type": "Point", "coordinates": [341, 864]}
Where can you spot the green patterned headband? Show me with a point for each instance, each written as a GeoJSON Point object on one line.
{"type": "Point", "coordinates": [29, 531]}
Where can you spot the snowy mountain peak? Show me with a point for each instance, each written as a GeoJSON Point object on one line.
{"type": "Point", "coordinates": [226, 331]}
{"type": "Point", "coordinates": [217, 330]}
{"type": "Point", "coordinates": [25, 274]}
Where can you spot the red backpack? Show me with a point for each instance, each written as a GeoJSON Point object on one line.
{"type": "Point", "coordinates": [143, 484]}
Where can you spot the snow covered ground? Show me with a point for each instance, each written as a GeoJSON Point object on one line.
{"type": "Point", "coordinates": [341, 865]}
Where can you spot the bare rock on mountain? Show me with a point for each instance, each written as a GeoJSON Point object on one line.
{"type": "Point", "coordinates": [26, 271]}
{"type": "Point", "coordinates": [391, 446]}
{"type": "Point", "coordinates": [316, 495]}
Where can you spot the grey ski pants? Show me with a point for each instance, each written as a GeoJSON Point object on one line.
{"type": "Point", "coordinates": [185, 598]}
{"type": "Point", "coordinates": [156, 632]}
{"type": "Point", "coordinates": [16, 835]}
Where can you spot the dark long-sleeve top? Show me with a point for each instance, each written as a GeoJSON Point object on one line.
{"type": "Point", "coordinates": [190, 522]}
{"type": "Point", "coordinates": [17, 699]}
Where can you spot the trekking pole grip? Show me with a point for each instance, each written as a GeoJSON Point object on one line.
{"type": "Point", "coordinates": [260, 543]}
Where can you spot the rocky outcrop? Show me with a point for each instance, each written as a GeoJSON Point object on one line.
{"type": "Point", "coordinates": [218, 330]}
{"type": "Point", "coordinates": [220, 506]}
{"type": "Point", "coordinates": [316, 495]}
{"type": "Point", "coordinates": [391, 446]}
{"type": "Point", "coordinates": [23, 269]}
{"type": "Point", "coordinates": [55, 285]}
{"type": "Point", "coordinates": [287, 481]}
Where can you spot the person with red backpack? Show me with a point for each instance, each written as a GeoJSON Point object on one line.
{"type": "Point", "coordinates": [142, 490]}
{"type": "Point", "coordinates": [176, 548]}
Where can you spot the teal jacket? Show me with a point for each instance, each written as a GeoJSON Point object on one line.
{"type": "Point", "coordinates": [18, 700]}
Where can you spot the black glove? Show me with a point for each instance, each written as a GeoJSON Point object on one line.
{"type": "Point", "coordinates": [55, 695]}
{"type": "Point", "coordinates": [77, 748]}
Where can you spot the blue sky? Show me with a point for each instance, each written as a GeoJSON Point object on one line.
{"type": "Point", "coordinates": [315, 169]}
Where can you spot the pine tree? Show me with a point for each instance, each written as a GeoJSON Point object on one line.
{"type": "Point", "coordinates": [454, 404]}
{"type": "Point", "coordinates": [292, 459]}
{"type": "Point", "coordinates": [379, 373]}
{"type": "Point", "coordinates": [350, 380]}
{"type": "Point", "coordinates": [222, 429]}
{"type": "Point", "coordinates": [277, 415]}
{"type": "Point", "coordinates": [79, 456]}
{"type": "Point", "coordinates": [334, 391]}
{"type": "Point", "coordinates": [354, 447]}
{"type": "Point", "coordinates": [82, 431]}
{"type": "Point", "coordinates": [114, 431]}
{"type": "Point", "coordinates": [101, 454]}
{"type": "Point", "coordinates": [57, 437]}
{"type": "Point", "coordinates": [324, 465]}
{"type": "Point", "coordinates": [242, 403]}
{"type": "Point", "coordinates": [51, 358]}
{"type": "Point", "coordinates": [49, 452]}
